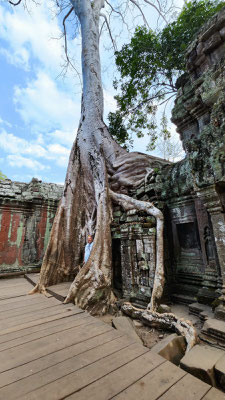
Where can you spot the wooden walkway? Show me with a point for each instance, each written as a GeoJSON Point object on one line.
{"type": "Point", "coordinates": [51, 351]}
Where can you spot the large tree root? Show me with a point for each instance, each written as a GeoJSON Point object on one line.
{"type": "Point", "coordinates": [91, 289]}
{"type": "Point", "coordinates": [164, 321]}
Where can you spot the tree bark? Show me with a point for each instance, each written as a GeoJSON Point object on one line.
{"type": "Point", "coordinates": [96, 164]}
{"type": "Point", "coordinates": [166, 321]}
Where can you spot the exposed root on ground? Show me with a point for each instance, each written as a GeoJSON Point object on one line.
{"type": "Point", "coordinates": [39, 289]}
{"type": "Point", "coordinates": [164, 321]}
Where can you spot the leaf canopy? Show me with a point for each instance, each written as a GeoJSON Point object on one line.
{"type": "Point", "coordinates": [149, 66]}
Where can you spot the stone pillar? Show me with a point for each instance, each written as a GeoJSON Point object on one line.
{"type": "Point", "coordinates": [214, 208]}
{"type": "Point", "coordinates": [208, 292]}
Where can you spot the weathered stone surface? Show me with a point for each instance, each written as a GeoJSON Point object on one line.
{"type": "Point", "coordinates": [220, 372]}
{"type": "Point", "coordinates": [137, 324]}
{"type": "Point", "coordinates": [26, 216]}
{"type": "Point", "coordinates": [213, 331]}
{"type": "Point", "coordinates": [172, 348]}
{"type": "Point", "coordinates": [133, 249]}
{"type": "Point", "coordinates": [197, 308]}
{"type": "Point", "coordinates": [200, 362]}
{"type": "Point", "coordinates": [164, 308]}
{"type": "Point", "coordinates": [124, 324]}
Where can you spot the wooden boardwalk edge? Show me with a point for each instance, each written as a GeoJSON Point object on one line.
{"type": "Point", "coordinates": [51, 351]}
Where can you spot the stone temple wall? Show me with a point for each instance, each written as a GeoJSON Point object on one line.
{"type": "Point", "coordinates": [191, 193]}
{"type": "Point", "coordinates": [26, 216]}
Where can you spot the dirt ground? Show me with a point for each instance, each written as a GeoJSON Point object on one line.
{"type": "Point", "coordinates": [151, 336]}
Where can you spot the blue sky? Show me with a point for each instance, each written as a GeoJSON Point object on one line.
{"type": "Point", "coordinates": [39, 106]}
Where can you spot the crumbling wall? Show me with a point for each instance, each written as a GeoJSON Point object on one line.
{"type": "Point", "coordinates": [199, 114]}
{"type": "Point", "coordinates": [26, 216]}
{"type": "Point", "coordinates": [191, 193]}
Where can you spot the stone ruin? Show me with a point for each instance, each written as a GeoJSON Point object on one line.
{"type": "Point", "coordinates": [191, 194]}
{"type": "Point", "coordinates": [26, 215]}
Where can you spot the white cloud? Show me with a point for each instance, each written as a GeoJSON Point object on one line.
{"type": "Point", "coordinates": [33, 30]}
{"type": "Point", "coordinates": [65, 137]}
{"type": "Point", "coordinates": [19, 161]}
{"type": "Point", "coordinates": [109, 102]}
{"type": "Point", "coordinates": [57, 149]}
{"type": "Point", "coordinates": [45, 105]}
{"type": "Point", "coordinates": [19, 58]}
{"type": "Point", "coordinates": [12, 144]}
{"type": "Point", "coordinates": [59, 153]}
{"type": "Point", "coordinates": [3, 122]}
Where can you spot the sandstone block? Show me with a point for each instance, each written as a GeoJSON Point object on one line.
{"type": "Point", "coordinates": [214, 327]}
{"type": "Point", "coordinates": [164, 308]}
{"type": "Point", "coordinates": [220, 372]}
{"type": "Point", "coordinates": [200, 362]}
{"type": "Point", "coordinates": [222, 33]}
{"type": "Point", "coordinates": [212, 42]}
{"type": "Point", "coordinates": [172, 348]}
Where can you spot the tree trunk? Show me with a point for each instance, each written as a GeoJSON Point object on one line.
{"type": "Point", "coordinates": [96, 164]}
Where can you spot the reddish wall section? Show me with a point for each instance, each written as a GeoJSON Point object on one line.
{"type": "Point", "coordinates": [26, 215]}
{"type": "Point", "coordinates": [41, 228]}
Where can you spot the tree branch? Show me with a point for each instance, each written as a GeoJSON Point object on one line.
{"type": "Point", "coordinates": [117, 12]}
{"type": "Point", "coordinates": [110, 33]}
{"type": "Point", "coordinates": [157, 9]}
{"type": "Point", "coordinates": [66, 52]}
{"type": "Point", "coordinates": [142, 13]}
{"type": "Point", "coordinates": [64, 29]}
{"type": "Point", "coordinates": [14, 4]}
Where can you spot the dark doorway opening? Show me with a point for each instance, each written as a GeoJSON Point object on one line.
{"type": "Point", "coordinates": [117, 270]}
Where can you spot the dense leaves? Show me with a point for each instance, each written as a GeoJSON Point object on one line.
{"type": "Point", "coordinates": [149, 66]}
{"type": "Point", "coordinates": [2, 176]}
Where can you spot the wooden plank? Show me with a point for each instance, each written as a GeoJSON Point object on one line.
{"type": "Point", "coordinates": [38, 348]}
{"type": "Point", "coordinates": [21, 314]}
{"type": "Point", "coordinates": [22, 290]}
{"type": "Point", "coordinates": [39, 321]}
{"type": "Point", "coordinates": [10, 283]}
{"type": "Point", "coordinates": [8, 280]}
{"type": "Point", "coordinates": [76, 320]}
{"type": "Point", "coordinates": [14, 286]}
{"type": "Point", "coordinates": [32, 278]}
{"type": "Point", "coordinates": [214, 394]}
{"type": "Point", "coordinates": [154, 384]}
{"type": "Point", "coordinates": [11, 303]}
{"type": "Point", "coordinates": [116, 381]}
{"type": "Point", "coordinates": [57, 309]}
{"type": "Point", "coordinates": [29, 307]}
{"type": "Point", "coordinates": [9, 337]}
{"type": "Point", "coordinates": [59, 370]}
{"type": "Point", "coordinates": [195, 388]}
{"type": "Point", "coordinates": [73, 382]}
{"type": "Point", "coordinates": [59, 291]}
{"type": "Point", "coordinates": [57, 357]}
{"type": "Point", "coordinates": [18, 291]}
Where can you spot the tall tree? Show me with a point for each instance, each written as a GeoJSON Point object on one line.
{"type": "Point", "coordinates": [99, 171]}
{"type": "Point", "coordinates": [149, 66]}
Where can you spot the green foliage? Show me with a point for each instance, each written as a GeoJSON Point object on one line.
{"type": "Point", "coordinates": [121, 136]}
{"type": "Point", "coordinates": [149, 66]}
{"type": "Point", "coordinates": [2, 176]}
